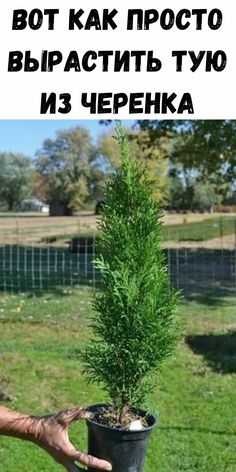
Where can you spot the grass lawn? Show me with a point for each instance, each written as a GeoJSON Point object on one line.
{"type": "Point", "coordinates": [215, 227]}
{"type": "Point", "coordinates": [195, 399]}
{"type": "Point", "coordinates": [33, 228]}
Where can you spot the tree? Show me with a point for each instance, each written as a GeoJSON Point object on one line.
{"type": "Point", "coordinates": [187, 192]}
{"type": "Point", "coordinates": [177, 193]}
{"type": "Point", "coordinates": [68, 168]}
{"type": "Point", "coordinates": [15, 178]}
{"type": "Point", "coordinates": [40, 187]}
{"type": "Point", "coordinates": [230, 198]}
{"type": "Point", "coordinates": [153, 157]}
{"type": "Point", "coordinates": [206, 145]}
{"type": "Point", "coordinates": [135, 323]}
{"type": "Point", "coordinates": [205, 197]}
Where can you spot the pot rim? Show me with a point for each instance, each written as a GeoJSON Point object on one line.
{"type": "Point", "coordinates": [92, 408]}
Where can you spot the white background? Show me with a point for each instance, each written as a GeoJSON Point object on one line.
{"type": "Point", "coordinates": [213, 93]}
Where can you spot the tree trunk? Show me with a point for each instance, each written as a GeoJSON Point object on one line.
{"type": "Point", "coordinates": [10, 204]}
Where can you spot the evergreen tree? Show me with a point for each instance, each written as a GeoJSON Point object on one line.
{"type": "Point", "coordinates": [135, 322]}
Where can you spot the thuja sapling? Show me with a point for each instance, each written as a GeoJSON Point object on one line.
{"type": "Point", "coordinates": [135, 325]}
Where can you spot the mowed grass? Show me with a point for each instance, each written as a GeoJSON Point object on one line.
{"type": "Point", "coordinates": [195, 398]}
{"type": "Point", "coordinates": [215, 227]}
{"type": "Point", "coordinates": [32, 229]}
{"type": "Point", "coordinates": [204, 230]}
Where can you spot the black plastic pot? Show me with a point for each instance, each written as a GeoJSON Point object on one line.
{"type": "Point", "coordinates": [125, 450]}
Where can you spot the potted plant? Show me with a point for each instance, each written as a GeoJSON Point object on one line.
{"type": "Point", "coordinates": [134, 325]}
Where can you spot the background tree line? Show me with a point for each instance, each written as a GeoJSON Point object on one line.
{"type": "Point", "coordinates": [192, 165]}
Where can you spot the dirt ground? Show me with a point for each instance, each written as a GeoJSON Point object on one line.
{"type": "Point", "coordinates": [226, 242]}
{"type": "Point", "coordinates": [85, 219]}
{"type": "Point", "coordinates": [32, 228]}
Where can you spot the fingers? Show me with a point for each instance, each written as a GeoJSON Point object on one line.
{"type": "Point", "coordinates": [71, 467]}
{"type": "Point", "coordinates": [66, 417]}
{"type": "Point", "coordinates": [90, 461]}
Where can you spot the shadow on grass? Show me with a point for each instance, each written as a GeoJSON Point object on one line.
{"type": "Point", "coordinates": [190, 429]}
{"type": "Point", "coordinates": [204, 275]}
{"type": "Point", "coordinates": [212, 297]}
{"type": "Point", "coordinates": [219, 350]}
{"type": "Point", "coordinates": [56, 291]}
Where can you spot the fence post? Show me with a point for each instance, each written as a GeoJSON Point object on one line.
{"type": "Point", "coordinates": [93, 261]}
{"type": "Point", "coordinates": [177, 268]}
{"type": "Point", "coordinates": [221, 231]}
{"type": "Point", "coordinates": [17, 232]}
{"type": "Point", "coordinates": [235, 254]}
{"type": "Point", "coordinates": [235, 235]}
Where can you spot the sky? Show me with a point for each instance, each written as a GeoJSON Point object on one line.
{"type": "Point", "coordinates": [27, 136]}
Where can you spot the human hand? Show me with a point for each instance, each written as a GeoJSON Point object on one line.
{"type": "Point", "coordinates": [51, 433]}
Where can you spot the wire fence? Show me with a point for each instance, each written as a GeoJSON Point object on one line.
{"type": "Point", "coordinates": [43, 267]}
{"type": "Point", "coordinates": [210, 231]}
{"type": "Point", "coordinates": [42, 253]}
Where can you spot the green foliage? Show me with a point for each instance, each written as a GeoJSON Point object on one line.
{"type": "Point", "coordinates": [15, 178]}
{"type": "Point", "coordinates": [206, 145]}
{"type": "Point", "coordinates": [177, 193]}
{"type": "Point", "coordinates": [68, 168]}
{"type": "Point", "coordinates": [189, 193]}
{"type": "Point", "coordinates": [141, 150]}
{"type": "Point", "coordinates": [135, 323]}
{"type": "Point", "coordinates": [205, 197]}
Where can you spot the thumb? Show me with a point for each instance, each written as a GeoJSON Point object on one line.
{"type": "Point", "coordinates": [68, 416]}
